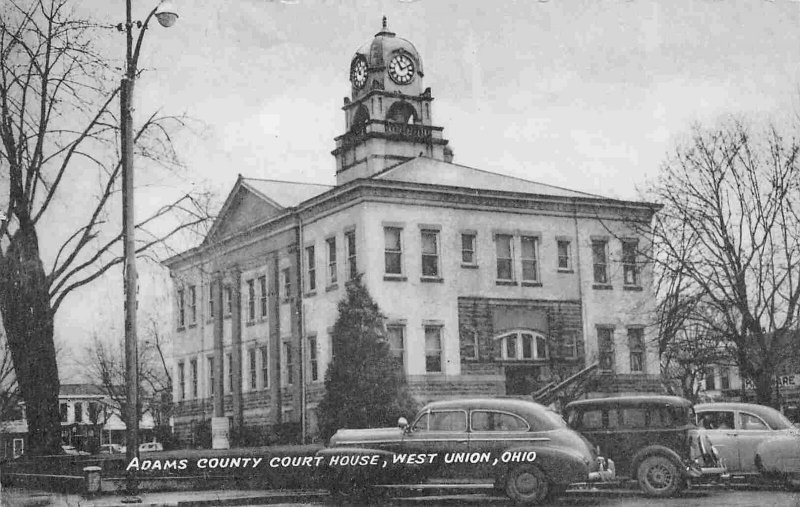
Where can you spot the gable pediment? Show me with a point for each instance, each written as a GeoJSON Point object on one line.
{"type": "Point", "coordinates": [243, 210]}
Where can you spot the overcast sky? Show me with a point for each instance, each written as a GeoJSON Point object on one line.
{"type": "Point", "coordinates": [585, 94]}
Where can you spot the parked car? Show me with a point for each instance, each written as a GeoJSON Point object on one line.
{"type": "Point", "coordinates": [151, 447]}
{"type": "Point", "coordinates": [72, 451]}
{"type": "Point", "coordinates": [111, 449]}
{"type": "Point", "coordinates": [651, 439]}
{"type": "Point", "coordinates": [753, 439]}
{"type": "Point", "coordinates": [520, 446]}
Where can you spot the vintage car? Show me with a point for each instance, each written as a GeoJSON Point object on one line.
{"type": "Point", "coordinates": [652, 439]}
{"type": "Point", "coordinates": [520, 446]}
{"type": "Point", "coordinates": [753, 439]}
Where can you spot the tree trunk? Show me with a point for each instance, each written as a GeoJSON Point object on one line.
{"type": "Point", "coordinates": [28, 321]}
{"type": "Point", "coordinates": [764, 381]}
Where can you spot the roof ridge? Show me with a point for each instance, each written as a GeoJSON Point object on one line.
{"type": "Point", "coordinates": [287, 181]}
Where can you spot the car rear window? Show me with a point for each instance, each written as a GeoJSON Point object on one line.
{"type": "Point", "coordinates": [592, 419]}
{"type": "Point", "coordinates": [484, 420]}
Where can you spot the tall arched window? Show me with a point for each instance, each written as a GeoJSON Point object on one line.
{"type": "Point", "coordinates": [522, 344]}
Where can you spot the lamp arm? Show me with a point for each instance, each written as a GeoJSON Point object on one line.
{"type": "Point", "coordinates": [135, 59]}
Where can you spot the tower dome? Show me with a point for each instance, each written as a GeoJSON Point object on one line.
{"type": "Point", "coordinates": [390, 63]}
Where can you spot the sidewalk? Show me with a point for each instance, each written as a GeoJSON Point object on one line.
{"type": "Point", "coordinates": [18, 497]}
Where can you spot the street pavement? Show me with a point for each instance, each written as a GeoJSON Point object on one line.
{"type": "Point", "coordinates": [740, 496]}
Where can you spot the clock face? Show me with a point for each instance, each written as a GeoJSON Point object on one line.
{"type": "Point", "coordinates": [401, 69]}
{"type": "Point", "coordinates": [358, 72]}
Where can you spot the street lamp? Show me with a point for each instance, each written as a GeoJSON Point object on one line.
{"type": "Point", "coordinates": [166, 15]}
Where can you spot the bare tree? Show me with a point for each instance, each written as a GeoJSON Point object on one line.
{"type": "Point", "coordinates": [9, 392]}
{"type": "Point", "coordinates": [728, 241]}
{"type": "Point", "coordinates": [57, 127]}
{"type": "Point", "coordinates": [105, 367]}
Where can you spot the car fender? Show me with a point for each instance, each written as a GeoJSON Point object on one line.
{"type": "Point", "coordinates": [561, 466]}
{"type": "Point", "coordinates": [656, 450]}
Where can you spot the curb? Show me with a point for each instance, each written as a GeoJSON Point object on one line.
{"type": "Point", "coordinates": [265, 499]}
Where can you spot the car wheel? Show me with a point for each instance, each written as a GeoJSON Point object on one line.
{"type": "Point", "coordinates": [658, 476]}
{"type": "Point", "coordinates": [527, 485]}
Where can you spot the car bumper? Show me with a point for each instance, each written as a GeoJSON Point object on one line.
{"type": "Point", "coordinates": [607, 471]}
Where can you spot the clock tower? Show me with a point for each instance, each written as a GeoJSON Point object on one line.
{"type": "Point", "coordinates": [388, 114]}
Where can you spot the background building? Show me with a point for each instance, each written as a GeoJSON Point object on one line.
{"type": "Point", "coordinates": [490, 284]}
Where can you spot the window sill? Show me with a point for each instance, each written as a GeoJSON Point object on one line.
{"type": "Point", "coordinates": [284, 301]}
{"type": "Point", "coordinates": [250, 323]}
{"type": "Point", "coordinates": [210, 321]}
{"type": "Point", "coordinates": [431, 279]}
{"type": "Point", "coordinates": [190, 326]}
{"type": "Point", "coordinates": [436, 373]}
{"type": "Point", "coordinates": [634, 288]}
{"type": "Point", "coordinates": [469, 266]}
{"type": "Point", "coordinates": [603, 286]}
{"type": "Point", "coordinates": [507, 283]}
{"type": "Point", "coordinates": [332, 287]}
{"type": "Point", "coordinates": [531, 284]}
{"type": "Point", "coordinates": [394, 278]}
{"type": "Point", "coordinates": [228, 316]}
{"type": "Point", "coordinates": [310, 294]}
{"type": "Point", "coordinates": [181, 328]}
{"type": "Point", "coordinates": [565, 270]}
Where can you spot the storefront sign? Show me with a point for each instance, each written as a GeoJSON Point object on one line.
{"type": "Point", "coordinates": [788, 381]}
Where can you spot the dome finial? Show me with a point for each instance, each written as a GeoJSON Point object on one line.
{"type": "Point", "coordinates": [384, 22]}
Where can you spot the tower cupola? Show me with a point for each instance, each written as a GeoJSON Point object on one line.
{"type": "Point", "coordinates": [388, 113]}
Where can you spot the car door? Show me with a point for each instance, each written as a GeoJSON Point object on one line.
{"type": "Point", "coordinates": [492, 432]}
{"type": "Point", "coordinates": [720, 426]}
{"type": "Point", "coordinates": [437, 432]}
{"type": "Point", "coordinates": [752, 430]}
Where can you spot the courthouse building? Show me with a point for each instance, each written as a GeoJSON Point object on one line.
{"type": "Point", "coordinates": [491, 284]}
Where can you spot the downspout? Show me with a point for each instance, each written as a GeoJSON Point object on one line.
{"type": "Point", "coordinates": [301, 326]}
{"type": "Point", "coordinates": [578, 266]}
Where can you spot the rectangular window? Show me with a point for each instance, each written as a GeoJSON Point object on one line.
{"type": "Point", "coordinates": [251, 300]}
{"type": "Point", "coordinates": [629, 268]}
{"type": "Point", "coordinates": [211, 300]}
{"type": "Point", "coordinates": [393, 250]}
{"type": "Point", "coordinates": [192, 304]}
{"type": "Point", "coordinates": [286, 275]}
{"type": "Point", "coordinates": [251, 363]}
{"type": "Point", "coordinates": [63, 407]}
{"type": "Point", "coordinates": [468, 248]}
{"type": "Point", "coordinates": [181, 309]}
{"type": "Point", "coordinates": [18, 447]}
{"type": "Point", "coordinates": [395, 333]}
{"type": "Point", "coordinates": [430, 253]}
{"type": "Point", "coordinates": [312, 358]}
{"type": "Point", "coordinates": [469, 344]}
{"type": "Point", "coordinates": [331, 242]}
{"type": "Point", "coordinates": [433, 349]}
{"type": "Point", "coordinates": [262, 282]}
{"type": "Point", "coordinates": [711, 385]}
{"type": "Point", "coordinates": [570, 346]}
{"type": "Point", "coordinates": [181, 381]}
{"type": "Point", "coordinates": [78, 412]}
{"type": "Point", "coordinates": [636, 349]}
{"type": "Point", "coordinates": [724, 377]}
{"type": "Point", "coordinates": [530, 262]}
{"type": "Point", "coordinates": [288, 370]}
{"type": "Point", "coordinates": [229, 364]}
{"type": "Point", "coordinates": [228, 300]}
{"type": "Point", "coordinates": [193, 366]}
{"type": "Point", "coordinates": [564, 255]}
{"type": "Point", "coordinates": [311, 269]}
{"type": "Point", "coordinates": [352, 265]}
{"type": "Point", "coordinates": [505, 256]}
{"type": "Point", "coordinates": [605, 347]}
{"type": "Point", "coordinates": [211, 376]}
{"type": "Point", "coordinates": [264, 367]}
{"type": "Point", "coordinates": [600, 261]}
